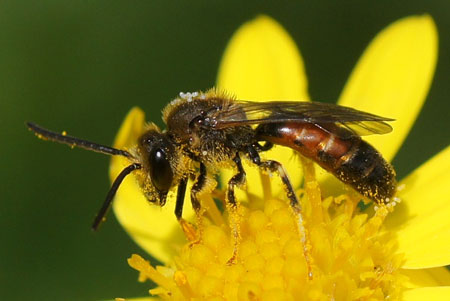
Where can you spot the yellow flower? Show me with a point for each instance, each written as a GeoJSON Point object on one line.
{"type": "Point", "coordinates": [354, 254]}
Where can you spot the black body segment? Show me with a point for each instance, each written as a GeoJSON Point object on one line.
{"type": "Point", "coordinates": [367, 171]}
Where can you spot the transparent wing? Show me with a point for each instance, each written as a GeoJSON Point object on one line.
{"type": "Point", "coordinates": [339, 120]}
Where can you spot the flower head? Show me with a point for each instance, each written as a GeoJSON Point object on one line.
{"type": "Point", "coordinates": [352, 253]}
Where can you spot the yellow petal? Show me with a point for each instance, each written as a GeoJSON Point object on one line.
{"type": "Point", "coordinates": [438, 293]}
{"type": "Point", "coordinates": [130, 130]}
{"type": "Point", "coordinates": [393, 77]}
{"type": "Point", "coordinates": [421, 221]}
{"type": "Point", "coordinates": [262, 62]}
{"type": "Point", "coordinates": [427, 277]}
{"type": "Point", "coordinates": [155, 229]}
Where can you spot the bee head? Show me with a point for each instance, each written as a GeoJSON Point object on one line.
{"type": "Point", "coordinates": [157, 153]}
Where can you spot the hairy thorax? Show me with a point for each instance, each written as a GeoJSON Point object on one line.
{"type": "Point", "coordinates": [190, 122]}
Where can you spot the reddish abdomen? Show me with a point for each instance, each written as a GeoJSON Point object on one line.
{"type": "Point", "coordinates": [351, 160]}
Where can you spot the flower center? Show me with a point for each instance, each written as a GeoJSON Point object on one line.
{"type": "Point", "coordinates": [351, 257]}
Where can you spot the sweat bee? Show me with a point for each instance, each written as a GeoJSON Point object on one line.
{"type": "Point", "coordinates": [208, 129]}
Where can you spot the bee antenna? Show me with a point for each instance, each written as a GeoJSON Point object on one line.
{"type": "Point", "coordinates": [111, 193]}
{"type": "Point", "coordinates": [45, 134]}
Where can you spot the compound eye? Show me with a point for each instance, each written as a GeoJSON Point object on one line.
{"type": "Point", "coordinates": [160, 170]}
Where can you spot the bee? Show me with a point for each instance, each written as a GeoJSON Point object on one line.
{"type": "Point", "coordinates": [211, 129]}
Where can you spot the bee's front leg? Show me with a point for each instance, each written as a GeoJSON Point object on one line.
{"type": "Point", "coordinates": [187, 227]}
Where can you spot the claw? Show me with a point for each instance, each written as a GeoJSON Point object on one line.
{"type": "Point", "coordinates": [189, 230]}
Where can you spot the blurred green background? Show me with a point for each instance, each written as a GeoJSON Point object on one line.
{"type": "Point", "coordinates": [81, 65]}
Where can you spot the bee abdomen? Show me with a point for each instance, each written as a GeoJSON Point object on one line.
{"type": "Point", "coordinates": [365, 169]}
{"type": "Point", "coordinates": [351, 160]}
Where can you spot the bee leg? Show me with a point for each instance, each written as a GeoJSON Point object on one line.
{"type": "Point", "coordinates": [232, 205]}
{"type": "Point", "coordinates": [237, 179]}
{"type": "Point", "coordinates": [260, 148]}
{"type": "Point", "coordinates": [274, 166]}
{"type": "Point", "coordinates": [180, 198]}
{"type": "Point", "coordinates": [187, 227]}
{"type": "Point", "coordinates": [198, 186]}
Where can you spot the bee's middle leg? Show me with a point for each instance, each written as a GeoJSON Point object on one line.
{"type": "Point", "coordinates": [189, 230]}
{"type": "Point", "coordinates": [232, 205]}
{"type": "Point", "coordinates": [198, 186]}
{"type": "Point", "coordinates": [237, 180]}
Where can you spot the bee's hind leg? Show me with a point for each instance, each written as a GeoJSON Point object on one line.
{"type": "Point", "coordinates": [274, 166]}
{"type": "Point", "coordinates": [232, 206]}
